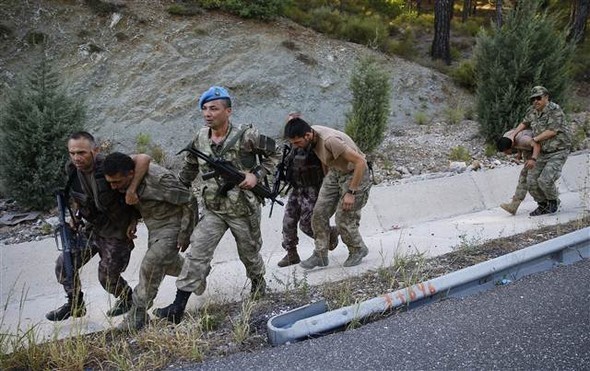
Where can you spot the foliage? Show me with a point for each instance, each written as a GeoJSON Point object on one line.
{"type": "Point", "coordinates": [581, 62]}
{"type": "Point", "coordinates": [459, 153]}
{"type": "Point", "coordinates": [490, 150]}
{"type": "Point", "coordinates": [143, 144]}
{"type": "Point", "coordinates": [35, 123]}
{"type": "Point", "coordinates": [454, 114]}
{"type": "Point", "coordinates": [403, 45]}
{"type": "Point", "coordinates": [184, 10]}
{"type": "Point", "coordinates": [464, 75]}
{"type": "Point", "coordinates": [371, 92]}
{"type": "Point", "coordinates": [363, 30]}
{"type": "Point", "coordinates": [421, 118]}
{"type": "Point", "coordinates": [324, 20]}
{"type": "Point", "coordinates": [468, 28]}
{"type": "Point", "coordinates": [528, 50]}
{"type": "Point", "coordinates": [255, 9]}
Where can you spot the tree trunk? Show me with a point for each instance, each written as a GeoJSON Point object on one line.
{"type": "Point", "coordinates": [466, 10]}
{"type": "Point", "coordinates": [499, 13]}
{"type": "Point", "coordinates": [578, 18]}
{"type": "Point", "coordinates": [441, 48]}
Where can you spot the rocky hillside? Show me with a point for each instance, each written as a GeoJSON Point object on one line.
{"type": "Point", "coordinates": [141, 70]}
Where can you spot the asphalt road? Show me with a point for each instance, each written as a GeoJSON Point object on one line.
{"type": "Point", "coordinates": [540, 322]}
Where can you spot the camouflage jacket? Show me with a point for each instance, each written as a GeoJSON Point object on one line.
{"type": "Point", "coordinates": [550, 118]}
{"type": "Point", "coordinates": [165, 204]}
{"type": "Point", "coordinates": [248, 152]}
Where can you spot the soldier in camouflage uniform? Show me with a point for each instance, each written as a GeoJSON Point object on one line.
{"type": "Point", "coordinates": [109, 226]}
{"type": "Point", "coordinates": [238, 210]}
{"type": "Point", "coordinates": [523, 145]}
{"type": "Point", "coordinates": [547, 121]}
{"type": "Point", "coordinates": [166, 208]}
{"type": "Point", "coordinates": [345, 189]}
{"type": "Point", "coordinates": [304, 174]}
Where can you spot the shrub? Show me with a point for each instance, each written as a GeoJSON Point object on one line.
{"type": "Point", "coordinates": [144, 144]}
{"type": "Point", "coordinates": [490, 150]}
{"type": "Point", "coordinates": [464, 75]}
{"type": "Point", "coordinates": [325, 20]}
{"type": "Point", "coordinates": [367, 120]}
{"type": "Point", "coordinates": [468, 28]}
{"type": "Point", "coordinates": [454, 114]}
{"type": "Point", "coordinates": [363, 30]}
{"type": "Point", "coordinates": [420, 118]}
{"type": "Point", "coordinates": [255, 9]}
{"type": "Point", "coordinates": [186, 10]}
{"type": "Point", "coordinates": [581, 62]}
{"type": "Point", "coordinates": [459, 153]}
{"type": "Point", "coordinates": [34, 124]}
{"type": "Point", "coordinates": [403, 46]}
{"type": "Point", "coordinates": [527, 51]}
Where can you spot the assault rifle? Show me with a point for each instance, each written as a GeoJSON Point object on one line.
{"type": "Point", "coordinates": [69, 238]}
{"type": "Point", "coordinates": [280, 175]}
{"type": "Point", "coordinates": [231, 176]}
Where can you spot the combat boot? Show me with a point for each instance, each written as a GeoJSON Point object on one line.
{"type": "Point", "coordinates": [315, 261]}
{"type": "Point", "coordinates": [258, 289]}
{"type": "Point", "coordinates": [552, 206]}
{"type": "Point", "coordinates": [135, 320]}
{"type": "Point", "coordinates": [333, 238]}
{"type": "Point", "coordinates": [354, 258]}
{"type": "Point", "coordinates": [75, 307]}
{"type": "Point", "coordinates": [511, 206]}
{"type": "Point", "coordinates": [174, 311]}
{"type": "Point", "coordinates": [540, 210]}
{"type": "Point", "coordinates": [122, 305]}
{"type": "Point", "coordinates": [291, 258]}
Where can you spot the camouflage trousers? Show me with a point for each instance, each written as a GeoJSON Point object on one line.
{"type": "Point", "coordinates": [161, 258]}
{"type": "Point", "coordinates": [522, 187]}
{"type": "Point", "coordinates": [204, 241]}
{"type": "Point", "coordinates": [329, 202]}
{"type": "Point", "coordinates": [541, 179]}
{"type": "Point", "coordinates": [114, 257]}
{"type": "Point", "coordinates": [298, 210]}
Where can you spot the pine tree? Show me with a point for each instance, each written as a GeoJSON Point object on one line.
{"type": "Point", "coordinates": [35, 123]}
{"type": "Point", "coordinates": [367, 121]}
{"type": "Point", "coordinates": [528, 50]}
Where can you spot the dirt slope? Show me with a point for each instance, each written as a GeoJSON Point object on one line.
{"type": "Point", "coordinates": [141, 69]}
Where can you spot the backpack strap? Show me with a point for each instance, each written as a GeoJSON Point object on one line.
{"type": "Point", "coordinates": [229, 144]}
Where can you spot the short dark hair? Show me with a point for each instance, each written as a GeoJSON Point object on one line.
{"type": "Point", "coordinates": [296, 128]}
{"type": "Point", "coordinates": [118, 162]}
{"type": "Point", "coordinates": [503, 144]}
{"type": "Point", "coordinates": [82, 135]}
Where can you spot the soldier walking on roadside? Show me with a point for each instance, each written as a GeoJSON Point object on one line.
{"type": "Point", "coordinates": [344, 191]}
{"type": "Point", "coordinates": [166, 208]}
{"type": "Point", "coordinates": [235, 208]}
{"type": "Point", "coordinates": [109, 226]}
{"type": "Point", "coordinates": [547, 121]}
{"type": "Point", "coordinates": [304, 174]}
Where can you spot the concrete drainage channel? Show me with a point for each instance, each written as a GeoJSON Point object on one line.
{"type": "Point", "coordinates": [314, 320]}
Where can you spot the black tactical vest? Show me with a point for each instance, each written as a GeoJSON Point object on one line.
{"type": "Point", "coordinates": [304, 168]}
{"type": "Point", "coordinates": [110, 204]}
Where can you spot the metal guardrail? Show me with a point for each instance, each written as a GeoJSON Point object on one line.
{"type": "Point", "coordinates": [314, 320]}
